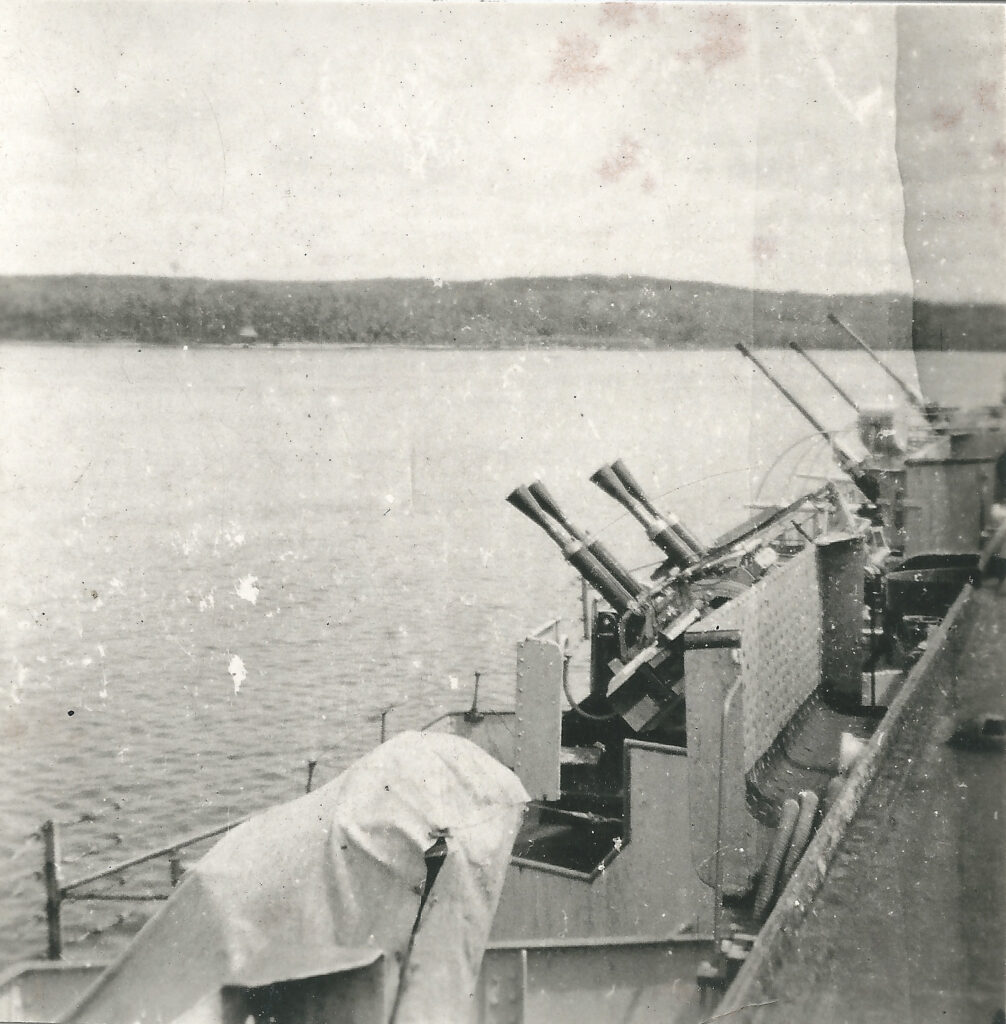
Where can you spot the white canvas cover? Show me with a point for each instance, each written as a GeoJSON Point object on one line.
{"type": "Point", "coordinates": [332, 880]}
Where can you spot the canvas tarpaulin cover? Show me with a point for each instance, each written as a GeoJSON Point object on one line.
{"type": "Point", "coordinates": [331, 880]}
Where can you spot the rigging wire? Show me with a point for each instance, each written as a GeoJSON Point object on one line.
{"type": "Point", "coordinates": [735, 470]}
{"type": "Point", "coordinates": [672, 490]}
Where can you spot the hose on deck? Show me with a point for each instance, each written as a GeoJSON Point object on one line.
{"type": "Point", "coordinates": [801, 833]}
{"type": "Point", "coordinates": [776, 855]}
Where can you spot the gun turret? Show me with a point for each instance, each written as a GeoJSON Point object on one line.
{"type": "Point", "coordinates": [657, 528]}
{"type": "Point", "coordinates": [575, 552]}
{"type": "Point", "coordinates": [849, 465]}
{"type": "Point", "coordinates": [909, 393]}
{"type": "Point", "coordinates": [599, 550]}
{"type": "Point", "coordinates": [821, 370]}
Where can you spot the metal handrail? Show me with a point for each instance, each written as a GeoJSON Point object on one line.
{"type": "Point", "coordinates": [162, 851]}
{"type": "Point", "coordinates": [488, 713]}
{"type": "Point", "coordinates": [552, 626]}
{"type": "Point", "coordinates": [118, 897]}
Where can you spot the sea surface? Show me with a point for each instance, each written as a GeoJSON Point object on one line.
{"type": "Point", "coordinates": [217, 565]}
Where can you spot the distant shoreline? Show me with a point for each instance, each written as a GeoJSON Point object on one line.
{"type": "Point", "coordinates": [589, 313]}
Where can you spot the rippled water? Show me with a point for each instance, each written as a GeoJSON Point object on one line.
{"type": "Point", "coordinates": [219, 564]}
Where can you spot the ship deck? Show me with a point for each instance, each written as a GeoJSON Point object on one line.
{"type": "Point", "coordinates": [910, 922]}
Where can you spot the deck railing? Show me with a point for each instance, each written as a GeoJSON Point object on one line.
{"type": "Point", "coordinates": [57, 892]}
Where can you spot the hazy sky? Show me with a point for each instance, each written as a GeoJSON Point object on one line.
{"type": "Point", "coordinates": [951, 97]}
{"type": "Point", "coordinates": [742, 144]}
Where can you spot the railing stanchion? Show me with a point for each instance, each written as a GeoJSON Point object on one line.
{"type": "Point", "coordinates": [53, 890]}
{"type": "Point", "coordinates": [175, 868]}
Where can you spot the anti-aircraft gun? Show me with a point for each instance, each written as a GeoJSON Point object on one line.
{"type": "Point", "coordinates": [618, 588]}
{"type": "Point", "coordinates": [876, 426]}
{"type": "Point", "coordinates": [855, 468]}
{"type": "Point", "coordinates": [637, 654]}
{"type": "Point", "coordinates": [682, 547]}
{"type": "Point", "coordinates": [913, 399]}
{"type": "Point", "coordinates": [921, 548]}
{"type": "Point", "coordinates": [638, 643]}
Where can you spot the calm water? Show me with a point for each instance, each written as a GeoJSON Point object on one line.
{"type": "Point", "coordinates": [216, 565]}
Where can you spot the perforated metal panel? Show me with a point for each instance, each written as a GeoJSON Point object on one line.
{"type": "Point", "coordinates": [780, 623]}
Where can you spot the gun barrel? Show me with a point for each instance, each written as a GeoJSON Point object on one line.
{"type": "Point", "coordinates": [909, 393]}
{"type": "Point", "coordinates": [621, 470]}
{"type": "Point", "coordinates": [863, 480]}
{"type": "Point", "coordinates": [784, 391]}
{"type": "Point", "coordinates": [656, 528]}
{"type": "Point", "coordinates": [824, 373]}
{"type": "Point", "coordinates": [600, 551]}
{"type": "Point", "coordinates": [574, 551]}
{"type": "Point", "coordinates": [629, 482]}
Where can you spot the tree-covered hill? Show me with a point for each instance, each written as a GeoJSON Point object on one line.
{"type": "Point", "coordinates": [513, 312]}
